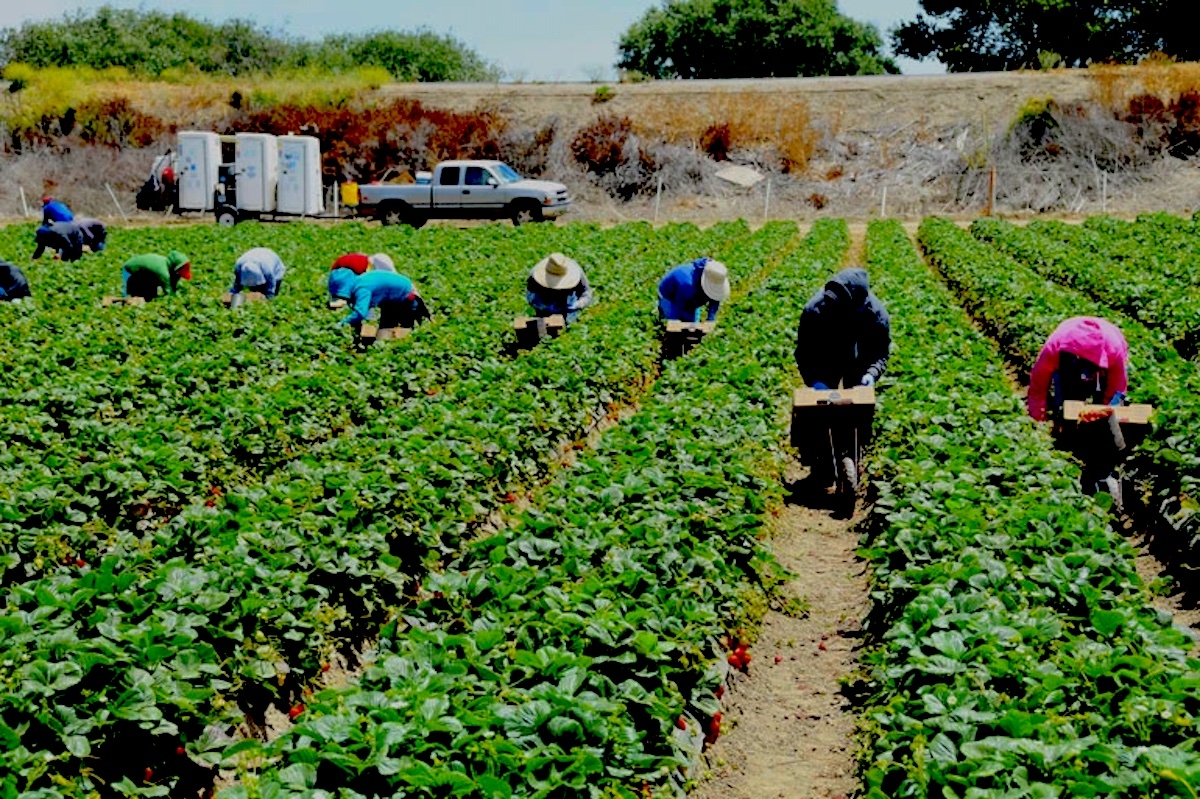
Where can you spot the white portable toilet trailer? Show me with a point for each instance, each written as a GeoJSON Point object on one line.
{"type": "Point", "coordinates": [257, 162]}
{"type": "Point", "coordinates": [300, 176]}
{"type": "Point", "coordinates": [199, 160]}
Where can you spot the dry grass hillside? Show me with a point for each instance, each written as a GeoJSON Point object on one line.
{"type": "Point", "coordinates": [857, 147]}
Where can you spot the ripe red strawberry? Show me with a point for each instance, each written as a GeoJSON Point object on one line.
{"type": "Point", "coordinates": [148, 774]}
{"type": "Point", "coordinates": [80, 562]}
{"type": "Point", "coordinates": [720, 692]}
{"type": "Point", "coordinates": [822, 647]}
{"type": "Point", "coordinates": [295, 712]}
{"type": "Point", "coordinates": [324, 667]}
{"type": "Point", "coordinates": [210, 503]}
{"type": "Point", "coordinates": [510, 498]}
{"type": "Point", "coordinates": [714, 729]}
{"type": "Point", "coordinates": [735, 660]}
{"type": "Point", "coordinates": [681, 723]}
{"type": "Point", "coordinates": [179, 750]}
{"type": "Point", "coordinates": [779, 658]}
{"type": "Point", "coordinates": [743, 655]}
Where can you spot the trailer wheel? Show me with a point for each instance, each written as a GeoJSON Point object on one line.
{"type": "Point", "coordinates": [226, 216]}
{"type": "Point", "coordinates": [525, 213]}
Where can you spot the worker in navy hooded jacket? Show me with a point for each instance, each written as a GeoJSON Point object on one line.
{"type": "Point", "coordinates": [13, 284]}
{"type": "Point", "coordinates": [64, 239]}
{"type": "Point", "coordinates": [399, 303]}
{"type": "Point", "coordinates": [845, 334]}
{"type": "Point", "coordinates": [688, 288]}
{"type": "Point", "coordinates": [843, 341]}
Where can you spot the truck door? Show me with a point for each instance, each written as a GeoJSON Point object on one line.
{"type": "Point", "coordinates": [477, 193]}
{"type": "Point", "coordinates": [447, 193]}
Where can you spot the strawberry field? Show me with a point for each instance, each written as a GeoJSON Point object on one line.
{"type": "Point", "coordinates": [459, 570]}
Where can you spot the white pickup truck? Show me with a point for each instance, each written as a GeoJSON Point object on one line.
{"type": "Point", "coordinates": [465, 190]}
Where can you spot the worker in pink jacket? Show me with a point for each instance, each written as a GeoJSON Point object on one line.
{"type": "Point", "coordinates": [1085, 359]}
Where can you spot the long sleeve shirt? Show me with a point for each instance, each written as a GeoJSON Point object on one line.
{"type": "Point", "coordinates": [680, 296]}
{"type": "Point", "coordinates": [64, 238]}
{"type": "Point", "coordinates": [844, 334]}
{"type": "Point", "coordinates": [56, 211]}
{"type": "Point", "coordinates": [372, 290]}
{"type": "Point", "coordinates": [156, 265]}
{"type": "Point", "coordinates": [1094, 340]}
{"type": "Point", "coordinates": [548, 302]}
{"type": "Point", "coordinates": [259, 269]}
{"type": "Point", "coordinates": [13, 283]}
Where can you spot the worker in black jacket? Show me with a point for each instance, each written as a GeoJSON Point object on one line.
{"type": "Point", "coordinates": [13, 284]}
{"type": "Point", "coordinates": [843, 342]}
{"type": "Point", "coordinates": [845, 334]}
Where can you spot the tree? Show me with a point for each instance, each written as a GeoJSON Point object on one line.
{"type": "Point", "coordinates": [751, 39]}
{"type": "Point", "coordinates": [996, 35]}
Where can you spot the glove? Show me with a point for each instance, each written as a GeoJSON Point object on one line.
{"type": "Point", "coordinates": [1118, 399]}
{"type": "Point", "coordinates": [868, 379]}
{"type": "Point", "coordinates": [820, 386]}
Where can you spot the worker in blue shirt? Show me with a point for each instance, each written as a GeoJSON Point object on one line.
{"type": "Point", "coordinates": [399, 303]}
{"type": "Point", "coordinates": [557, 285]}
{"type": "Point", "coordinates": [261, 270]}
{"type": "Point", "coordinates": [55, 211]}
{"type": "Point", "coordinates": [688, 288]}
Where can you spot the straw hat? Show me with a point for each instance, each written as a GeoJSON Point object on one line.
{"type": "Point", "coordinates": [715, 281]}
{"type": "Point", "coordinates": [557, 271]}
{"type": "Point", "coordinates": [382, 263]}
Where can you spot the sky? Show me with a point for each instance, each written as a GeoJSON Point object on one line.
{"type": "Point", "coordinates": [531, 40]}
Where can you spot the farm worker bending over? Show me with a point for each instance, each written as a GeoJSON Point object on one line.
{"type": "Point", "coordinates": [845, 334]}
{"type": "Point", "coordinates": [64, 239]}
{"type": "Point", "coordinates": [1084, 359]}
{"type": "Point", "coordinates": [55, 211]}
{"type": "Point", "coordinates": [351, 265]}
{"type": "Point", "coordinates": [688, 288]}
{"type": "Point", "coordinates": [147, 275]}
{"type": "Point", "coordinates": [93, 233]}
{"type": "Point", "coordinates": [557, 285]}
{"type": "Point", "coordinates": [259, 269]}
{"type": "Point", "coordinates": [13, 284]}
{"type": "Point", "coordinates": [394, 295]}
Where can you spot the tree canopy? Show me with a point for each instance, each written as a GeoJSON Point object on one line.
{"type": "Point", "coordinates": [751, 39]}
{"type": "Point", "coordinates": [997, 35]}
{"type": "Point", "coordinates": [149, 43]}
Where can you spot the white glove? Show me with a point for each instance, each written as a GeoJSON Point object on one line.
{"type": "Point", "coordinates": [868, 379]}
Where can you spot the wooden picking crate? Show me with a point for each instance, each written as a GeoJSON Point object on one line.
{"type": "Point", "coordinates": [369, 334]}
{"type": "Point", "coordinates": [531, 330]}
{"type": "Point", "coordinates": [1126, 414]}
{"type": "Point", "coordinates": [107, 301]}
{"type": "Point", "coordinates": [819, 409]}
{"type": "Point", "coordinates": [680, 337]}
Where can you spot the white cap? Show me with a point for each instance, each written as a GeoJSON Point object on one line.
{"type": "Point", "coordinates": [715, 281]}
{"type": "Point", "coordinates": [382, 263]}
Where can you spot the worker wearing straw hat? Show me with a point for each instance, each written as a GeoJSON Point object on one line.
{"type": "Point", "coordinates": [557, 285]}
{"type": "Point", "coordinates": [688, 288]}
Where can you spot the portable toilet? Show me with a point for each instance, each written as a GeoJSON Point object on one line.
{"type": "Point", "coordinates": [300, 176]}
{"type": "Point", "coordinates": [257, 160]}
{"type": "Point", "coordinates": [199, 160]}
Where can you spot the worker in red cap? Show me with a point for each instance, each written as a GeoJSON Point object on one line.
{"type": "Point", "coordinates": [55, 211]}
{"type": "Point", "coordinates": [351, 265]}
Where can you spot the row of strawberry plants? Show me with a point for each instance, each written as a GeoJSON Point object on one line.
{"type": "Point", "coordinates": [1015, 653]}
{"type": "Point", "coordinates": [220, 413]}
{"type": "Point", "coordinates": [359, 513]}
{"type": "Point", "coordinates": [1021, 309]}
{"type": "Point", "coordinates": [1134, 285]}
{"type": "Point", "coordinates": [556, 657]}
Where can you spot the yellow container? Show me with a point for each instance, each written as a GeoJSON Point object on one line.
{"type": "Point", "coordinates": [350, 194]}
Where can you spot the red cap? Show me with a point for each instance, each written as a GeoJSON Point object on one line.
{"type": "Point", "coordinates": [185, 271]}
{"type": "Point", "coordinates": [47, 199]}
{"type": "Point", "coordinates": [356, 262]}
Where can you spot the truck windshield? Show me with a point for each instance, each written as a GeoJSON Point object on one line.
{"type": "Point", "coordinates": [507, 174]}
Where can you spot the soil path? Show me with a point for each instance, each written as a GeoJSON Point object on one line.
{"type": "Point", "coordinates": [789, 730]}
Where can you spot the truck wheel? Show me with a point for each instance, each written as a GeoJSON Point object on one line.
{"type": "Point", "coordinates": [395, 214]}
{"type": "Point", "coordinates": [525, 213]}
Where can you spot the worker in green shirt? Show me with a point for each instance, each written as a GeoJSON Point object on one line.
{"type": "Point", "coordinates": [147, 276]}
